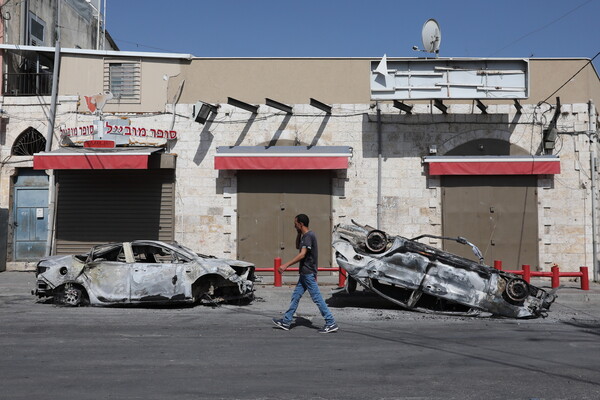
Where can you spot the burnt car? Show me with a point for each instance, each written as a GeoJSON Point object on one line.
{"type": "Point", "coordinates": [143, 271]}
{"type": "Point", "coordinates": [420, 277]}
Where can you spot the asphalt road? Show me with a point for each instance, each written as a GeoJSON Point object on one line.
{"type": "Point", "coordinates": [232, 352]}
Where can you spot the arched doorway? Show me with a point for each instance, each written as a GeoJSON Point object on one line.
{"type": "Point", "coordinates": [30, 200]}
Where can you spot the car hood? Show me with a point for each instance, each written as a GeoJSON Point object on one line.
{"type": "Point", "coordinates": [52, 261]}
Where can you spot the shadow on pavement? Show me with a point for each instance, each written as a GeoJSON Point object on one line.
{"type": "Point", "coordinates": [587, 325]}
{"type": "Point", "coordinates": [361, 299]}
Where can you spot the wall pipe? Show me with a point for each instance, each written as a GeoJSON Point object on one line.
{"type": "Point", "coordinates": [593, 139]}
{"type": "Point", "coordinates": [379, 165]}
{"type": "Point", "coordinates": [104, 27]}
{"type": "Point", "coordinates": [49, 139]}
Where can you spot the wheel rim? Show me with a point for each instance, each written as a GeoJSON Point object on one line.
{"type": "Point", "coordinates": [72, 296]}
{"type": "Point", "coordinates": [517, 289]}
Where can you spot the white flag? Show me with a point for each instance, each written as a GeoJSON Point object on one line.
{"type": "Point", "coordinates": [382, 67]}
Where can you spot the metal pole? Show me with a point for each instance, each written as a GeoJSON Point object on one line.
{"type": "Point", "coordinates": [50, 136]}
{"type": "Point", "coordinates": [379, 166]}
{"type": "Point", "coordinates": [104, 28]}
{"type": "Point", "coordinates": [98, 31]}
{"type": "Point", "coordinates": [593, 135]}
{"type": "Point", "coordinates": [25, 24]}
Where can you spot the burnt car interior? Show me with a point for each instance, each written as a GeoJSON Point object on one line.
{"type": "Point", "coordinates": [146, 253]}
{"type": "Point", "coordinates": [154, 254]}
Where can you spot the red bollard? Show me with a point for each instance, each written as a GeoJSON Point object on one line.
{"type": "Point", "coordinates": [555, 277]}
{"type": "Point", "coordinates": [341, 277]}
{"type": "Point", "coordinates": [276, 273]}
{"type": "Point", "coordinates": [585, 278]}
{"type": "Point", "coordinates": [498, 265]}
{"type": "Point", "coordinates": [527, 273]}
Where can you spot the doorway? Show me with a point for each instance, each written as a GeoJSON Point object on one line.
{"type": "Point", "coordinates": [30, 219]}
{"type": "Point", "coordinates": [496, 213]}
{"type": "Point", "coordinates": [268, 201]}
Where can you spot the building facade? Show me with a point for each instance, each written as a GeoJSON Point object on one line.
{"type": "Point", "coordinates": [277, 137]}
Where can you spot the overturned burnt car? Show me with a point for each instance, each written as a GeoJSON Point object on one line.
{"type": "Point", "coordinates": [143, 271]}
{"type": "Point", "coordinates": [419, 277]}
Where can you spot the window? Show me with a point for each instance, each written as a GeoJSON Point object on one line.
{"type": "Point", "coordinates": [149, 254]}
{"type": "Point", "coordinates": [122, 79]}
{"type": "Point", "coordinates": [107, 252]}
{"type": "Point", "coordinates": [29, 142]}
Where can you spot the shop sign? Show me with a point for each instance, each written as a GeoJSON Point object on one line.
{"type": "Point", "coordinates": [114, 128]}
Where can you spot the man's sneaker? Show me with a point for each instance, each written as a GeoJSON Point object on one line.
{"type": "Point", "coordinates": [329, 328]}
{"type": "Point", "coordinates": [282, 325]}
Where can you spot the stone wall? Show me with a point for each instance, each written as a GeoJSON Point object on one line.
{"type": "Point", "coordinates": [411, 201]}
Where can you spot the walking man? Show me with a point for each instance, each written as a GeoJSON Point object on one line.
{"type": "Point", "coordinates": [306, 242]}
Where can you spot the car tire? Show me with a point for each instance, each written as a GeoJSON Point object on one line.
{"type": "Point", "coordinates": [376, 241]}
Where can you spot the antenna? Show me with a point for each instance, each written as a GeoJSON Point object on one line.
{"type": "Point", "coordinates": [431, 35]}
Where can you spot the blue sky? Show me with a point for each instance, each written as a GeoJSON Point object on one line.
{"type": "Point", "coordinates": [353, 28]}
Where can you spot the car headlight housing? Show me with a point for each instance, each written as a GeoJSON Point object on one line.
{"type": "Point", "coordinates": [40, 269]}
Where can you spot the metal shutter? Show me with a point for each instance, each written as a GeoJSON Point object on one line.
{"type": "Point", "coordinates": [99, 206]}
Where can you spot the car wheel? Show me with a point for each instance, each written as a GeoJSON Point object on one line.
{"type": "Point", "coordinates": [517, 290]}
{"type": "Point", "coordinates": [72, 296]}
{"type": "Point", "coordinates": [376, 241]}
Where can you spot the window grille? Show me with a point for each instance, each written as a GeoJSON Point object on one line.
{"type": "Point", "coordinates": [28, 143]}
{"type": "Point", "coordinates": [122, 79]}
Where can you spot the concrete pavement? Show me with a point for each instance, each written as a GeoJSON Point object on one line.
{"type": "Point", "coordinates": [570, 295]}
{"type": "Point", "coordinates": [234, 352]}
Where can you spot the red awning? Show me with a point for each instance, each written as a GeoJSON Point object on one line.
{"type": "Point", "coordinates": [282, 157]}
{"type": "Point", "coordinates": [89, 158]}
{"type": "Point", "coordinates": [493, 165]}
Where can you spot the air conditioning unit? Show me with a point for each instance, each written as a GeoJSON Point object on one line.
{"type": "Point", "coordinates": [37, 30]}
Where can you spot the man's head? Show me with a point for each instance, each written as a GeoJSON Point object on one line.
{"type": "Point", "coordinates": [300, 221]}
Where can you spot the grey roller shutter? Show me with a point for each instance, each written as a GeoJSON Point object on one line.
{"type": "Point", "coordinates": [99, 206]}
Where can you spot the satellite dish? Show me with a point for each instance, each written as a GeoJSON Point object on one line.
{"type": "Point", "coordinates": [432, 36]}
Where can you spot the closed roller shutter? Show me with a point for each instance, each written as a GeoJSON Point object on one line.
{"type": "Point", "coordinates": [100, 206]}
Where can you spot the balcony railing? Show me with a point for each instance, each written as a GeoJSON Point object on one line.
{"type": "Point", "coordinates": [27, 84]}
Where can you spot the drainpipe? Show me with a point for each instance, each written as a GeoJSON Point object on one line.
{"type": "Point", "coordinates": [593, 138]}
{"type": "Point", "coordinates": [50, 135]}
{"type": "Point", "coordinates": [104, 27]}
{"type": "Point", "coordinates": [379, 165]}
{"type": "Point", "coordinates": [25, 22]}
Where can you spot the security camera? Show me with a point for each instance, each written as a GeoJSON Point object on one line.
{"type": "Point", "coordinates": [415, 48]}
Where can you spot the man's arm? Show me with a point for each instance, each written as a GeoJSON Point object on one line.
{"type": "Point", "coordinates": [294, 260]}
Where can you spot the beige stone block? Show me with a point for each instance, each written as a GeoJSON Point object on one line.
{"type": "Point", "coordinates": [580, 108]}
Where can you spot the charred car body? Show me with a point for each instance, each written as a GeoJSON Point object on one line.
{"type": "Point", "coordinates": [143, 271]}
{"type": "Point", "coordinates": [423, 278]}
